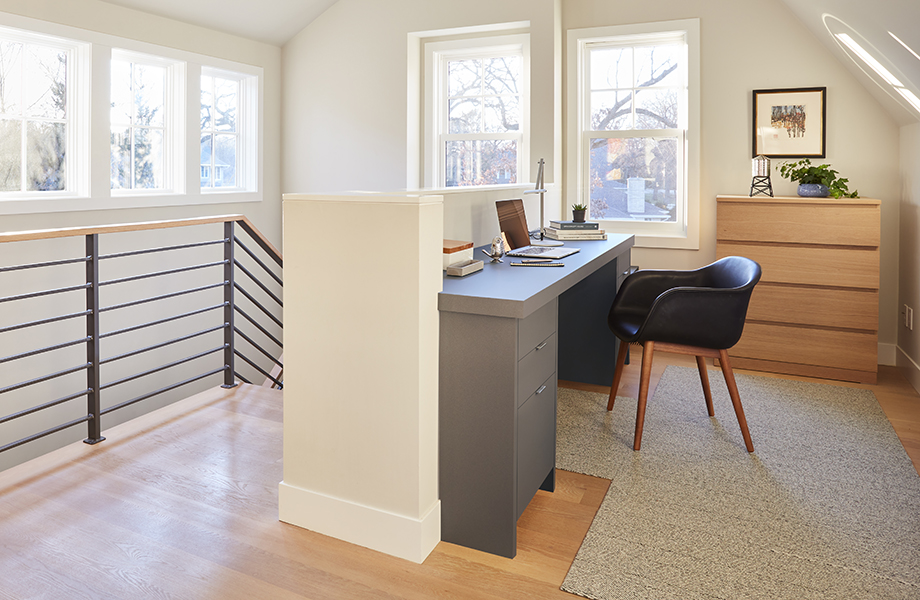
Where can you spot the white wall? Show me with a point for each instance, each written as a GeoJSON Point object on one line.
{"type": "Point", "coordinates": [346, 94]}
{"type": "Point", "coordinates": [106, 18]}
{"type": "Point", "coordinates": [909, 266]}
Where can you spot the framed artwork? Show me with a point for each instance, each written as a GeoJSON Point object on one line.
{"type": "Point", "coordinates": [790, 123]}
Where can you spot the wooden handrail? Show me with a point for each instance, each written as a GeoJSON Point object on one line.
{"type": "Point", "coordinates": [45, 234]}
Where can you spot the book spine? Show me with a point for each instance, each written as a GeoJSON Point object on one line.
{"type": "Point", "coordinates": [566, 235]}
{"type": "Point", "coordinates": [568, 225]}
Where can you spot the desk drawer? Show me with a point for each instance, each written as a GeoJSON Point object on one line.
{"type": "Point", "coordinates": [535, 368]}
{"type": "Point", "coordinates": [536, 443]}
{"type": "Point", "coordinates": [535, 328]}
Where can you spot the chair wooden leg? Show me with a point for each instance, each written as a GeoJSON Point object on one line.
{"type": "Point", "coordinates": [618, 373]}
{"type": "Point", "coordinates": [704, 379]}
{"type": "Point", "coordinates": [647, 353]}
{"type": "Point", "coordinates": [736, 399]}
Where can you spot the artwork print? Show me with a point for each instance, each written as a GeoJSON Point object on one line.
{"type": "Point", "coordinates": [789, 123]}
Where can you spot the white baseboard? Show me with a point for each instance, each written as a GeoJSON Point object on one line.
{"type": "Point", "coordinates": [888, 354]}
{"type": "Point", "coordinates": [396, 535]}
{"type": "Point", "coordinates": [910, 368]}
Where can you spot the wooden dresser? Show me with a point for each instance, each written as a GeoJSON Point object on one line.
{"type": "Point", "coordinates": [815, 310]}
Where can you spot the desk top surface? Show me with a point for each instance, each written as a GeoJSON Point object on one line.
{"type": "Point", "coordinates": [501, 290]}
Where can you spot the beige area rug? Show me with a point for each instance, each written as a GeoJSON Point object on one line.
{"type": "Point", "coordinates": [827, 507]}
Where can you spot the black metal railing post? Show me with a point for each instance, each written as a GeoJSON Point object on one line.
{"type": "Point", "coordinates": [93, 402]}
{"type": "Point", "coordinates": [229, 372]}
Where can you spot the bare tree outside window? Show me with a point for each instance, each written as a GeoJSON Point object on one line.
{"type": "Point", "coordinates": [138, 100]}
{"type": "Point", "coordinates": [634, 100]}
{"type": "Point", "coordinates": [220, 140]}
{"type": "Point", "coordinates": [33, 117]}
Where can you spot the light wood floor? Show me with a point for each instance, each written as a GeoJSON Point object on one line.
{"type": "Point", "coordinates": [182, 503]}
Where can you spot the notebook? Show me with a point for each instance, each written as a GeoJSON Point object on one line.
{"type": "Point", "coordinates": [513, 223]}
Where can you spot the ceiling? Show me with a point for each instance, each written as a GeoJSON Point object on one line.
{"type": "Point", "coordinates": [870, 23]}
{"type": "Point", "coordinates": [270, 21]}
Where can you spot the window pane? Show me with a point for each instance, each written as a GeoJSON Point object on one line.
{"type": "Point", "coordinates": [10, 156]}
{"type": "Point", "coordinates": [46, 82]}
{"type": "Point", "coordinates": [207, 102]}
{"type": "Point", "coordinates": [121, 158]}
{"type": "Point", "coordinates": [148, 158]}
{"type": "Point", "coordinates": [502, 75]}
{"type": "Point", "coordinates": [633, 179]}
{"type": "Point", "coordinates": [465, 115]}
{"type": "Point", "coordinates": [611, 111]}
{"type": "Point", "coordinates": [226, 98]}
{"type": "Point", "coordinates": [45, 156]}
{"type": "Point", "coordinates": [225, 161]}
{"type": "Point", "coordinates": [657, 108]}
{"type": "Point", "coordinates": [464, 77]}
{"type": "Point", "coordinates": [122, 102]}
{"type": "Point", "coordinates": [149, 83]}
{"type": "Point", "coordinates": [658, 65]}
{"type": "Point", "coordinates": [611, 68]}
{"type": "Point", "coordinates": [10, 79]}
{"type": "Point", "coordinates": [480, 162]}
{"type": "Point", "coordinates": [502, 114]}
{"type": "Point", "coordinates": [206, 160]}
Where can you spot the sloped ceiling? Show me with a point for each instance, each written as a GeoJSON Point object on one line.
{"type": "Point", "coordinates": [877, 26]}
{"type": "Point", "coordinates": [270, 21]}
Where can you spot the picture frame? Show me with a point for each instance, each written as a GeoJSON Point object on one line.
{"type": "Point", "coordinates": [790, 123]}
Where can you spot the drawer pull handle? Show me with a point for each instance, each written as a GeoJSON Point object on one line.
{"type": "Point", "coordinates": [540, 347]}
{"type": "Point", "coordinates": [542, 389]}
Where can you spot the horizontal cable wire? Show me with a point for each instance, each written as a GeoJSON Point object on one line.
{"type": "Point", "coordinates": [32, 438]}
{"type": "Point", "coordinates": [161, 390]}
{"type": "Point", "coordinates": [163, 344]}
{"type": "Point", "coordinates": [258, 304]}
{"type": "Point", "coordinates": [53, 263]}
{"type": "Point", "coordinates": [17, 386]}
{"type": "Point", "coordinates": [241, 378]}
{"type": "Point", "coordinates": [160, 368]}
{"type": "Point", "coordinates": [13, 357]}
{"type": "Point", "coordinates": [163, 296]}
{"type": "Point", "coordinates": [258, 368]}
{"type": "Point", "coordinates": [162, 249]}
{"type": "Point", "coordinates": [44, 321]}
{"type": "Point", "coordinates": [258, 347]}
{"type": "Point", "coordinates": [72, 288]}
{"type": "Point", "coordinates": [161, 273]}
{"type": "Point", "coordinates": [35, 409]}
{"type": "Point", "coordinates": [260, 242]}
{"type": "Point", "coordinates": [161, 321]}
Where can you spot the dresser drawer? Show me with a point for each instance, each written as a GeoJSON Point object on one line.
{"type": "Point", "coordinates": [536, 367]}
{"type": "Point", "coordinates": [810, 265]}
{"type": "Point", "coordinates": [535, 328]}
{"type": "Point", "coordinates": [810, 222]}
{"type": "Point", "coordinates": [808, 346]}
{"type": "Point", "coordinates": [825, 307]}
{"type": "Point", "coordinates": [536, 443]}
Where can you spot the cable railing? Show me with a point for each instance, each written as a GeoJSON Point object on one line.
{"type": "Point", "coordinates": [129, 325]}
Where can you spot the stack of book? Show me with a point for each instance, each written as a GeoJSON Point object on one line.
{"type": "Point", "coordinates": [571, 230]}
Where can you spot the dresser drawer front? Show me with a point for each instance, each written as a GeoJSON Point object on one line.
{"type": "Point", "coordinates": [825, 307]}
{"type": "Point", "coordinates": [535, 368]}
{"type": "Point", "coordinates": [810, 265]}
{"type": "Point", "coordinates": [809, 346]}
{"type": "Point", "coordinates": [806, 223]}
{"type": "Point", "coordinates": [536, 327]}
{"type": "Point", "coordinates": [536, 443]}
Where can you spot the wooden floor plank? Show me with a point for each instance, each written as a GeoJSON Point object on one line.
{"type": "Point", "coordinates": [183, 503]}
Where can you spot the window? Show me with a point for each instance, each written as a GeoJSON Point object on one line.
{"type": "Point", "coordinates": [633, 128]}
{"type": "Point", "coordinates": [227, 129]}
{"type": "Point", "coordinates": [40, 110]}
{"type": "Point", "coordinates": [477, 106]}
{"type": "Point", "coordinates": [145, 97]}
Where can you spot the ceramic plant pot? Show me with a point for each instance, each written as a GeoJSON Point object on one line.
{"type": "Point", "coordinates": [578, 216]}
{"type": "Point", "coordinates": [812, 190]}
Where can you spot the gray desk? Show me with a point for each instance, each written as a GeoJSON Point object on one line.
{"type": "Point", "coordinates": [507, 335]}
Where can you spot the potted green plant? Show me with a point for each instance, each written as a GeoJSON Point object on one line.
{"type": "Point", "coordinates": [816, 181]}
{"type": "Point", "coordinates": [578, 212]}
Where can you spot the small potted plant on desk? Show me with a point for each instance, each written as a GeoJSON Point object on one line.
{"type": "Point", "coordinates": [816, 181]}
{"type": "Point", "coordinates": [578, 212]}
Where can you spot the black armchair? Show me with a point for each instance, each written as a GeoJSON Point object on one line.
{"type": "Point", "coordinates": [699, 312]}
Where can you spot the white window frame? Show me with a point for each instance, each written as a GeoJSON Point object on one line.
{"type": "Point", "coordinates": [92, 157]}
{"type": "Point", "coordinates": [437, 54]}
{"type": "Point", "coordinates": [247, 130]}
{"type": "Point", "coordinates": [684, 233]}
{"type": "Point", "coordinates": [174, 130]}
{"type": "Point", "coordinates": [76, 169]}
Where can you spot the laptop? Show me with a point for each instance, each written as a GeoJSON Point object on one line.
{"type": "Point", "coordinates": [513, 223]}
